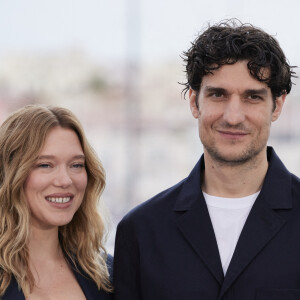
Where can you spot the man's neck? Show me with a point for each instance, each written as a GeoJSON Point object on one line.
{"type": "Point", "coordinates": [234, 181]}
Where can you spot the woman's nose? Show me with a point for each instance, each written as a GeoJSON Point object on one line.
{"type": "Point", "coordinates": [62, 178]}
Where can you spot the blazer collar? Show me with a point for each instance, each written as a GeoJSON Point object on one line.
{"type": "Point", "coordinates": [191, 189]}
{"type": "Point", "coordinates": [195, 224]}
{"type": "Point", "coordinates": [263, 222]}
{"type": "Point", "coordinates": [276, 189]}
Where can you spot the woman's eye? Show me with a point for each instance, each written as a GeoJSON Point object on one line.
{"type": "Point", "coordinates": [44, 165]}
{"type": "Point", "coordinates": [78, 166]}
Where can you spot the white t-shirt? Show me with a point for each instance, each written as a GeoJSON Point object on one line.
{"type": "Point", "coordinates": [228, 216]}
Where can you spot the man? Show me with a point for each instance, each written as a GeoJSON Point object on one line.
{"type": "Point", "coordinates": [231, 229]}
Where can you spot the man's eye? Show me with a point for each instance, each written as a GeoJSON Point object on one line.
{"type": "Point", "coordinates": [255, 97]}
{"type": "Point", "coordinates": [217, 95]}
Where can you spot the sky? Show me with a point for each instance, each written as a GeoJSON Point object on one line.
{"type": "Point", "coordinates": [147, 30]}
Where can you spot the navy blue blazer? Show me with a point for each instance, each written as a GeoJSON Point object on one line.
{"type": "Point", "coordinates": [88, 287]}
{"type": "Point", "coordinates": [166, 247]}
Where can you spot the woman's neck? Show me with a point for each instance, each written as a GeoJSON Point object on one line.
{"type": "Point", "coordinates": [44, 244]}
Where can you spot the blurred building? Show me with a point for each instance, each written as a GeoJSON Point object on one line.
{"type": "Point", "coordinates": [144, 149]}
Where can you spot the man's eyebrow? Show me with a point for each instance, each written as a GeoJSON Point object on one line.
{"type": "Point", "coordinates": [262, 91]}
{"type": "Point", "coordinates": [212, 89]}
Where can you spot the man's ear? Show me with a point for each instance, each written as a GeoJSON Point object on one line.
{"type": "Point", "coordinates": [194, 103]}
{"type": "Point", "coordinates": [278, 108]}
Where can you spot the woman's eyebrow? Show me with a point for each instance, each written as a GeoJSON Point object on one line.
{"type": "Point", "coordinates": [79, 156]}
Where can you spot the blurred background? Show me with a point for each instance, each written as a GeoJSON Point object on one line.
{"type": "Point", "coordinates": [117, 65]}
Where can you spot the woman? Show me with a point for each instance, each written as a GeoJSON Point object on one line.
{"type": "Point", "coordinates": [51, 235]}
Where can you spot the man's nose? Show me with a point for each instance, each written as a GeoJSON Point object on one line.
{"type": "Point", "coordinates": [234, 111]}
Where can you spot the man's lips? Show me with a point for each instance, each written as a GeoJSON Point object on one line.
{"type": "Point", "coordinates": [233, 134]}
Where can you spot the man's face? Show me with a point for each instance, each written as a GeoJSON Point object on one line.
{"type": "Point", "coordinates": [234, 113]}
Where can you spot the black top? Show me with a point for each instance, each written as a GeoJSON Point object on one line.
{"type": "Point", "coordinates": [89, 288]}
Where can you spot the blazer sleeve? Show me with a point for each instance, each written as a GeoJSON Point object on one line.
{"type": "Point", "coordinates": [126, 277]}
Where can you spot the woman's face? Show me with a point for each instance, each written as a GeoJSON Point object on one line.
{"type": "Point", "coordinates": [55, 186]}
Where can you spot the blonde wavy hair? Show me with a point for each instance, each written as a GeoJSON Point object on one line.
{"type": "Point", "coordinates": [22, 136]}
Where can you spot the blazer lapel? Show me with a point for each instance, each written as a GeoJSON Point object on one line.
{"type": "Point", "coordinates": [263, 223]}
{"type": "Point", "coordinates": [261, 226]}
{"type": "Point", "coordinates": [195, 224]}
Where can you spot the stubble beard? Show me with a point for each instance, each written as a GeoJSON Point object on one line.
{"type": "Point", "coordinates": [244, 157]}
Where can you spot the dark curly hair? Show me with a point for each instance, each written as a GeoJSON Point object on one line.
{"type": "Point", "coordinates": [230, 41]}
